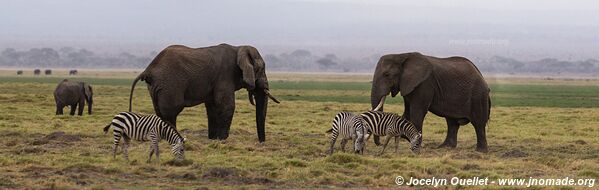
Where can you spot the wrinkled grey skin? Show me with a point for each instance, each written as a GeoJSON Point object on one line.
{"type": "Point", "coordinates": [72, 93]}
{"type": "Point", "coordinates": [182, 77]}
{"type": "Point", "coordinates": [452, 88]}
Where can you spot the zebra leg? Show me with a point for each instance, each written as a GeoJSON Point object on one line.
{"type": "Point", "coordinates": [152, 145]}
{"type": "Point", "coordinates": [333, 139]}
{"type": "Point", "coordinates": [151, 153]}
{"type": "Point", "coordinates": [386, 143]}
{"type": "Point", "coordinates": [451, 140]}
{"type": "Point", "coordinates": [117, 138]}
{"type": "Point", "coordinates": [343, 143]}
{"type": "Point", "coordinates": [125, 148]}
{"type": "Point", "coordinates": [397, 139]}
{"type": "Point", "coordinates": [157, 152]}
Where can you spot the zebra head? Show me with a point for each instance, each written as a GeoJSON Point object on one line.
{"type": "Point", "coordinates": [415, 143]}
{"type": "Point", "coordinates": [359, 143]}
{"type": "Point", "coordinates": [178, 149]}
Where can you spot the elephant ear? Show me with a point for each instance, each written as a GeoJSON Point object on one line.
{"type": "Point", "coordinates": [88, 91]}
{"type": "Point", "coordinates": [416, 69]}
{"type": "Point", "coordinates": [244, 61]}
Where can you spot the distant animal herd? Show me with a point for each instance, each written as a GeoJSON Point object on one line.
{"type": "Point", "coordinates": [46, 72]}
{"type": "Point", "coordinates": [181, 77]}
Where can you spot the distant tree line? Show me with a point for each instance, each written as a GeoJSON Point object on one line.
{"type": "Point", "coordinates": [499, 64]}
{"type": "Point", "coordinates": [304, 60]}
{"type": "Point", "coordinates": [68, 57]}
{"type": "Point", "coordinates": [299, 60]}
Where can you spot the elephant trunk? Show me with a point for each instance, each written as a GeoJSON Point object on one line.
{"type": "Point", "coordinates": [261, 107]}
{"type": "Point", "coordinates": [377, 101]}
{"type": "Point", "coordinates": [377, 98]}
{"type": "Point", "coordinates": [90, 101]}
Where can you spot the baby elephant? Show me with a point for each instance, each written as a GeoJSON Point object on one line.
{"type": "Point", "coordinates": [72, 93]}
{"type": "Point", "coordinates": [348, 126]}
{"type": "Point", "coordinates": [139, 127]}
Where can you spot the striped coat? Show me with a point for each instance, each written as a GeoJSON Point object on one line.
{"type": "Point", "coordinates": [347, 126]}
{"type": "Point", "coordinates": [393, 126]}
{"type": "Point", "coordinates": [129, 125]}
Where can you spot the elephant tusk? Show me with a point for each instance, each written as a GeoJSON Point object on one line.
{"type": "Point", "coordinates": [251, 97]}
{"type": "Point", "coordinates": [380, 104]}
{"type": "Point", "coordinates": [270, 96]}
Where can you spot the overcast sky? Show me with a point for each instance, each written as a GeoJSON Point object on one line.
{"type": "Point", "coordinates": [524, 28]}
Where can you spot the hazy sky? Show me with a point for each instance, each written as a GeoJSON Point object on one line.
{"type": "Point", "coordinates": [527, 29]}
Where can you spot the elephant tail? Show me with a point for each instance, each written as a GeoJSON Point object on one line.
{"type": "Point", "coordinates": [489, 112]}
{"type": "Point", "coordinates": [106, 128]}
{"type": "Point", "coordinates": [141, 76]}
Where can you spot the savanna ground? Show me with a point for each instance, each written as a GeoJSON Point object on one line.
{"type": "Point", "coordinates": [540, 128]}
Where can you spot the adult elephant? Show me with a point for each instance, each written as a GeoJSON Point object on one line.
{"type": "Point", "coordinates": [452, 88]}
{"type": "Point", "coordinates": [72, 93]}
{"type": "Point", "coordinates": [181, 77]}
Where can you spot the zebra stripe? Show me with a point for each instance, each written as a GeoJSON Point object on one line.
{"type": "Point", "coordinates": [392, 125]}
{"type": "Point", "coordinates": [129, 125]}
{"type": "Point", "coordinates": [348, 126]}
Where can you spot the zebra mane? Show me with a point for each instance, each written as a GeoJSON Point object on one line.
{"type": "Point", "coordinates": [169, 128]}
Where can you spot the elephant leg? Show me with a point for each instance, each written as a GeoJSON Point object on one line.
{"type": "Point", "coordinates": [73, 107]}
{"type": "Point", "coordinates": [167, 105]}
{"type": "Point", "coordinates": [481, 137]}
{"type": "Point", "coordinates": [59, 109]}
{"type": "Point", "coordinates": [212, 123]}
{"type": "Point", "coordinates": [169, 113]}
{"type": "Point", "coordinates": [219, 121]}
{"type": "Point", "coordinates": [220, 116]}
{"type": "Point", "coordinates": [451, 140]}
{"type": "Point", "coordinates": [81, 105]}
{"type": "Point", "coordinates": [418, 104]}
{"type": "Point", "coordinates": [377, 140]}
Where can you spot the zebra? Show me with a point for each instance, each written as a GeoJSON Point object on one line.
{"type": "Point", "coordinates": [383, 124]}
{"type": "Point", "coordinates": [348, 126]}
{"type": "Point", "coordinates": [129, 125]}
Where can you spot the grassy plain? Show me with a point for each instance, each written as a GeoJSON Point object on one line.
{"type": "Point", "coordinates": [541, 129]}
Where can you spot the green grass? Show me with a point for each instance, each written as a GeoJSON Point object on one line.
{"type": "Point", "coordinates": [358, 92]}
{"type": "Point", "coordinates": [551, 125]}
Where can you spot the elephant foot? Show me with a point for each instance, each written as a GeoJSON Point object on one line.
{"type": "Point", "coordinates": [447, 144]}
{"type": "Point", "coordinates": [482, 149]}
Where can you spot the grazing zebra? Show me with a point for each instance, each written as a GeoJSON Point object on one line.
{"type": "Point", "coordinates": [348, 126]}
{"type": "Point", "coordinates": [391, 125]}
{"type": "Point", "coordinates": [139, 127]}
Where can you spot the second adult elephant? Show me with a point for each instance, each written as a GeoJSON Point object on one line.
{"type": "Point", "coordinates": [181, 77]}
{"type": "Point", "coordinates": [452, 88]}
{"type": "Point", "coordinates": [72, 93]}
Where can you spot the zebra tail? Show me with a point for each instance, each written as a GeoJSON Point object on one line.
{"type": "Point", "coordinates": [330, 130]}
{"type": "Point", "coordinates": [106, 128]}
